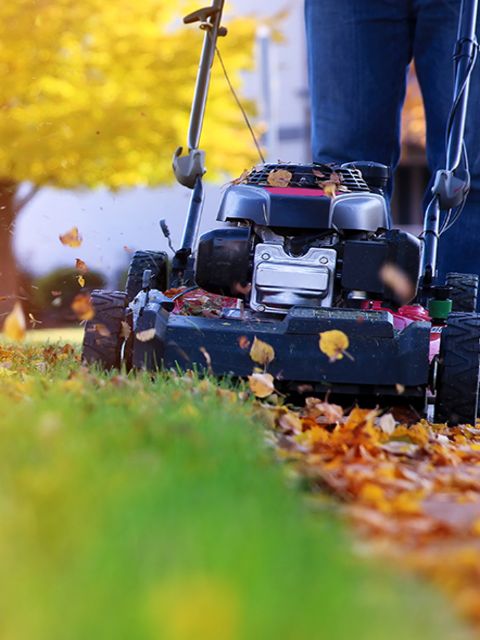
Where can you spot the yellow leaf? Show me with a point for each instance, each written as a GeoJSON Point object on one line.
{"type": "Point", "coordinates": [15, 326]}
{"type": "Point", "coordinates": [261, 384]}
{"type": "Point", "coordinates": [71, 238]}
{"type": "Point", "coordinates": [261, 352]}
{"type": "Point", "coordinates": [333, 344]}
{"type": "Point", "coordinates": [81, 281]}
{"type": "Point", "coordinates": [279, 178]}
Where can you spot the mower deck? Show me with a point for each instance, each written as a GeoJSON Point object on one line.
{"type": "Point", "coordinates": [379, 357]}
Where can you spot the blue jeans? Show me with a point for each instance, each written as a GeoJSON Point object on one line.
{"type": "Point", "coordinates": [359, 53]}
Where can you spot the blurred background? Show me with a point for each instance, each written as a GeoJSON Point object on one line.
{"type": "Point", "coordinates": [116, 209]}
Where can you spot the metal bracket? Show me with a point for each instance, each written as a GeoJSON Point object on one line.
{"type": "Point", "coordinates": [450, 189]}
{"type": "Point", "coordinates": [188, 168]}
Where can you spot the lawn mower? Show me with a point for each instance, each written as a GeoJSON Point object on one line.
{"type": "Point", "coordinates": [304, 249]}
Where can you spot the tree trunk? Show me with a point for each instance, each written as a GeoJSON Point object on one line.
{"type": "Point", "coordinates": [8, 266]}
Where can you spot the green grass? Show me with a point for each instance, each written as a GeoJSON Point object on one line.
{"type": "Point", "coordinates": [132, 509]}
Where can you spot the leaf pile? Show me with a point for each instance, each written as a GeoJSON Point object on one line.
{"type": "Point", "coordinates": [413, 491]}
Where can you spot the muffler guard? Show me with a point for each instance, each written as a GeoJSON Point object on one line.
{"type": "Point", "coordinates": [381, 358]}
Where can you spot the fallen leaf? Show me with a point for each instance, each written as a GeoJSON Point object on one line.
{"type": "Point", "coordinates": [261, 384]}
{"type": "Point", "coordinates": [261, 352]}
{"type": "Point", "coordinates": [82, 307]}
{"type": "Point", "coordinates": [333, 344]}
{"type": "Point", "coordinates": [242, 179]}
{"type": "Point", "coordinates": [81, 281]}
{"type": "Point", "coordinates": [279, 178]}
{"type": "Point", "coordinates": [81, 266]}
{"type": "Point", "coordinates": [71, 238]}
{"type": "Point", "coordinates": [57, 302]}
{"type": "Point", "coordinates": [15, 326]}
{"type": "Point", "coordinates": [387, 423]}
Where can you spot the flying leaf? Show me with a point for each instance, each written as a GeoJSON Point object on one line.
{"type": "Point", "coordinates": [243, 342]}
{"type": "Point", "coordinates": [81, 280]}
{"type": "Point", "coordinates": [125, 330]}
{"type": "Point", "coordinates": [71, 238]}
{"type": "Point", "coordinates": [261, 384]}
{"type": "Point", "coordinates": [82, 307]}
{"type": "Point", "coordinates": [103, 330]}
{"type": "Point", "coordinates": [279, 178]}
{"type": "Point", "coordinates": [333, 344]}
{"type": "Point", "coordinates": [145, 336]}
{"type": "Point", "coordinates": [261, 352]}
{"type": "Point", "coordinates": [81, 266]}
{"type": "Point", "coordinates": [398, 281]}
{"type": "Point", "coordinates": [15, 326]}
{"type": "Point", "coordinates": [33, 321]}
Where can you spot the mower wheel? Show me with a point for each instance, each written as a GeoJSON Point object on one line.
{"type": "Point", "coordinates": [157, 262]}
{"type": "Point", "coordinates": [458, 374]}
{"type": "Point", "coordinates": [103, 339]}
{"type": "Point", "coordinates": [464, 292]}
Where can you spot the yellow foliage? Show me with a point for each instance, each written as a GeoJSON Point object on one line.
{"type": "Point", "coordinates": [98, 93]}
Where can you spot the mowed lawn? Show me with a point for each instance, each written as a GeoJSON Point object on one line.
{"type": "Point", "coordinates": [133, 508]}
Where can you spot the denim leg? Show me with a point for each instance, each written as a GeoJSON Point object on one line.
{"type": "Point", "coordinates": [358, 51]}
{"type": "Point", "coordinates": [435, 36]}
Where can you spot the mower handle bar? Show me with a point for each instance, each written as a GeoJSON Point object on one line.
{"type": "Point", "coordinates": [212, 28]}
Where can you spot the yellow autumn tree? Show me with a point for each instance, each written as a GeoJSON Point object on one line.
{"type": "Point", "coordinates": [98, 92]}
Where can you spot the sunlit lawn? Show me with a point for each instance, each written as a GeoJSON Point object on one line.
{"type": "Point", "coordinates": [139, 509]}
{"type": "Point", "coordinates": [73, 335]}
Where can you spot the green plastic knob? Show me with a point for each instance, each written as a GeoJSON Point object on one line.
{"type": "Point", "coordinates": [439, 309]}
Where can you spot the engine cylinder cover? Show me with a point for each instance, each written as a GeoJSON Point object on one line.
{"type": "Point", "coordinates": [281, 281]}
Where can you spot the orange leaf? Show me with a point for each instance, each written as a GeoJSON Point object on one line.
{"type": "Point", "coordinates": [15, 326]}
{"type": "Point", "coordinates": [71, 238]}
{"type": "Point", "coordinates": [82, 307]}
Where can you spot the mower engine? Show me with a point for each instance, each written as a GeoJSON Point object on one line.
{"type": "Point", "coordinates": [286, 242]}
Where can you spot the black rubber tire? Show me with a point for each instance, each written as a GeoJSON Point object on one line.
{"type": "Point", "coordinates": [103, 340]}
{"type": "Point", "coordinates": [464, 294]}
{"type": "Point", "coordinates": [157, 262]}
{"type": "Point", "coordinates": [458, 374]}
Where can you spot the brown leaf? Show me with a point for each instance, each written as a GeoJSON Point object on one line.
{"type": "Point", "coordinates": [145, 336]}
{"type": "Point", "coordinates": [82, 307]}
{"type": "Point", "coordinates": [279, 178]}
{"type": "Point", "coordinates": [15, 326]}
{"type": "Point", "coordinates": [243, 342]}
{"type": "Point", "coordinates": [261, 352]}
{"type": "Point", "coordinates": [71, 238]}
{"type": "Point", "coordinates": [242, 179]}
{"type": "Point", "coordinates": [261, 384]}
{"type": "Point", "coordinates": [81, 266]}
